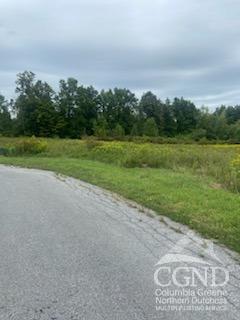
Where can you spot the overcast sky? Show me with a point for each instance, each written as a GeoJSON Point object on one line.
{"type": "Point", "coordinates": [187, 48]}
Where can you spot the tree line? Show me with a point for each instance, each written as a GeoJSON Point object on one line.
{"type": "Point", "coordinates": [76, 110]}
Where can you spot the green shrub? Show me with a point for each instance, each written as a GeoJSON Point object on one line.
{"type": "Point", "coordinates": [29, 146]}
{"type": "Point", "coordinates": [118, 131]}
{"type": "Point", "coordinates": [199, 134]}
{"type": "Point", "coordinates": [4, 151]}
{"type": "Point", "coordinates": [150, 128]}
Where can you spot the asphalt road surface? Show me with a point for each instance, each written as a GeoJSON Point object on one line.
{"type": "Point", "coordinates": [69, 250]}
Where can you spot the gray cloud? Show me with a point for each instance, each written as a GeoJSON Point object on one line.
{"type": "Point", "coordinates": [174, 48]}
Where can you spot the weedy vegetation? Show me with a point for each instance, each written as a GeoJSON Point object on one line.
{"type": "Point", "coordinates": [197, 185]}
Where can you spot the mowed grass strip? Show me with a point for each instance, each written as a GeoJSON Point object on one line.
{"type": "Point", "coordinates": [186, 198]}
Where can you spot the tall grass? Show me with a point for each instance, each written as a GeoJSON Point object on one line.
{"type": "Point", "coordinates": [221, 162]}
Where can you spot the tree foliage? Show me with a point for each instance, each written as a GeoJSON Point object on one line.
{"type": "Point", "coordinates": [5, 118]}
{"type": "Point", "coordinates": [150, 128]}
{"type": "Point", "coordinates": [75, 110]}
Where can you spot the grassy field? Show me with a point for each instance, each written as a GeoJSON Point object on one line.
{"type": "Point", "coordinates": [192, 184]}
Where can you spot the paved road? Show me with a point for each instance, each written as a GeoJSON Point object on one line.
{"type": "Point", "coordinates": [69, 250]}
